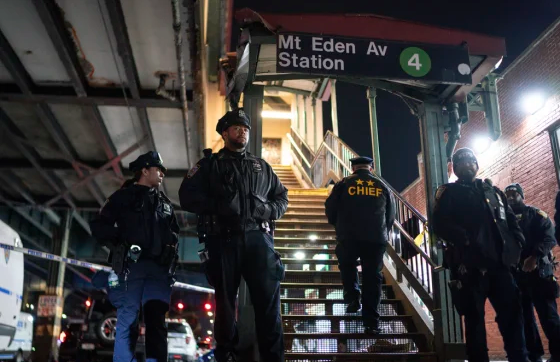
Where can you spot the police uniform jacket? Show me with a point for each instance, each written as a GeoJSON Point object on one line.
{"type": "Point", "coordinates": [240, 189]}
{"type": "Point", "coordinates": [478, 226]}
{"type": "Point", "coordinates": [137, 215]}
{"type": "Point", "coordinates": [361, 208]}
{"type": "Point", "coordinates": [557, 217]}
{"type": "Point", "coordinates": [539, 237]}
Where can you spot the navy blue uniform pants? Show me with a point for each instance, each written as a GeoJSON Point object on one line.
{"type": "Point", "coordinates": [499, 286]}
{"type": "Point", "coordinates": [148, 285]}
{"type": "Point", "coordinates": [539, 295]}
{"type": "Point", "coordinates": [254, 258]}
{"type": "Point", "coordinates": [371, 257]}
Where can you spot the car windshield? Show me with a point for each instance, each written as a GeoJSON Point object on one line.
{"type": "Point", "coordinates": [176, 328]}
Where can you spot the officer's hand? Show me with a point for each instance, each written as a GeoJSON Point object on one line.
{"type": "Point", "coordinates": [530, 264]}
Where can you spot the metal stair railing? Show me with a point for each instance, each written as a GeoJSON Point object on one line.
{"type": "Point", "coordinates": [409, 245]}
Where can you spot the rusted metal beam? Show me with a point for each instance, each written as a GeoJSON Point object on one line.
{"type": "Point", "coordinates": [107, 165]}
{"type": "Point", "coordinates": [52, 19]}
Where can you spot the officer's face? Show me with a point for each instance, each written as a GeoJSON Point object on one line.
{"type": "Point", "coordinates": [514, 198]}
{"type": "Point", "coordinates": [237, 136]}
{"type": "Point", "coordinates": [466, 169]}
{"type": "Point", "coordinates": [153, 176]}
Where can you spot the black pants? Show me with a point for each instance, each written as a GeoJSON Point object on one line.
{"type": "Point", "coordinates": [500, 288]}
{"type": "Point", "coordinates": [371, 257]}
{"type": "Point", "coordinates": [254, 258]}
{"type": "Point", "coordinates": [540, 294]}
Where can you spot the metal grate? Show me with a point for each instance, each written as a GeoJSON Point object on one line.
{"type": "Point", "coordinates": [332, 345]}
{"type": "Point", "coordinates": [315, 293]}
{"type": "Point", "coordinates": [323, 326]}
{"type": "Point", "coordinates": [318, 309]}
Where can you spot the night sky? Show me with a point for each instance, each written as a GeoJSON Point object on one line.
{"type": "Point", "coordinates": [518, 21]}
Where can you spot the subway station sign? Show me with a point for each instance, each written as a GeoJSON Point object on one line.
{"type": "Point", "coordinates": [373, 58]}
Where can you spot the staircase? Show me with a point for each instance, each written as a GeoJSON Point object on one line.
{"type": "Point", "coordinates": [316, 327]}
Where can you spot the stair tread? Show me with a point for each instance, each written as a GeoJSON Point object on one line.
{"type": "Point", "coordinates": [316, 285]}
{"type": "Point", "coordinates": [298, 221]}
{"type": "Point", "coordinates": [309, 261]}
{"type": "Point", "coordinates": [328, 301]}
{"type": "Point", "coordinates": [305, 250]}
{"type": "Point", "coordinates": [363, 356]}
{"type": "Point", "coordinates": [355, 316]}
{"type": "Point", "coordinates": [355, 335]}
{"type": "Point", "coordinates": [307, 230]}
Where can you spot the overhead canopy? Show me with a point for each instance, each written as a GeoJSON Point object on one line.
{"type": "Point", "coordinates": [257, 62]}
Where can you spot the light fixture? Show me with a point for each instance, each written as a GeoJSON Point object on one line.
{"type": "Point", "coordinates": [210, 314]}
{"type": "Point", "coordinates": [533, 102]}
{"type": "Point", "coordinates": [482, 144]}
{"type": "Point", "coordinates": [209, 333]}
{"type": "Point", "coordinates": [211, 321]}
{"type": "Point", "coordinates": [498, 63]}
{"type": "Point", "coordinates": [64, 316]}
{"type": "Point", "coordinates": [300, 255]}
{"type": "Point", "coordinates": [276, 114]}
{"type": "Point", "coordinates": [31, 307]}
{"type": "Point", "coordinates": [313, 237]}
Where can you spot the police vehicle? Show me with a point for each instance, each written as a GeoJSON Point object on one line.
{"type": "Point", "coordinates": [11, 285]}
{"type": "Point", "coordinates": [181, 344]}
{"type": "Point", "coordinates": [20, 348]}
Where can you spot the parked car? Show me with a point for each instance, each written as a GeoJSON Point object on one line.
{"type": "Point", "coordinates": [93, 338]}
{"type": "Point", "coordinates": [181, 344]}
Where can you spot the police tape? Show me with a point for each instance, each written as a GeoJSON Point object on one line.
{"type": "Point", "coordinates": [85, 264]}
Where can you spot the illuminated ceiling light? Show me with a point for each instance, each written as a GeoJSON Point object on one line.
{"type": "Point", "coordinates": [276, 114]}
{"type": "Point", "coordinates": [481, 144]}
{"type": "Point", "coordinates": [300, 255]}
{"type": "Point", "coordinates": [313, 237]}
{"type": "Point", "coordinates": [533, 102]}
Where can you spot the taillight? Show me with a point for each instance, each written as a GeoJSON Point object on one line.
{"type": "Point", "coordinates": [62, 337]}
{"type": "Point", "coordinates": [188, 339]}
{"type": "Point", "coordinates": [142, 330]}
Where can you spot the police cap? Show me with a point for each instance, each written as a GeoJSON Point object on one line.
{"type": "Point", "coordinates": [464, 154]}
{"type": "Point", "coordinates": [147, 160]}
{"type": "Point", "coordinates": [237, 116]}
{"type": "Point", "coordinates": [361, 160]}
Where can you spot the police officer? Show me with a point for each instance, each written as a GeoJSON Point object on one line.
{"type": "Point", "coordinates": [536, 276]}
{"type": "Point", "coordinates": [138, 225]}
{"type": "Point", "coordinates": [361, 208]}
{"type": "Point", "coordinates": [482, 244]}
{"type": "Point", "coordinates": [237, 196]}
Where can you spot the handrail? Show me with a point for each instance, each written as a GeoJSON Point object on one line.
{"type": "Point", "coordinates": [414, 261]}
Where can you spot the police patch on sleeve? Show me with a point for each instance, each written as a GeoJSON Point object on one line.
{"type": "Point", "coordinates": [440, 192]}
{"type": "Point", "coordinates": [193, 170]}
{"type": "Point", "coordinates": [543, 214]}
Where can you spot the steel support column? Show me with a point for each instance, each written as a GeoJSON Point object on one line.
{"type": "Point", "coordinates": [314, 117]}
{"type": "Point", "coordinates": [253, 98]}
{"type": "Point", "coordinates": [334, 108]}
{"type": "Point", "coordinates": [371, 95]}
{"type": "Point", "coordinates": [447, 323]}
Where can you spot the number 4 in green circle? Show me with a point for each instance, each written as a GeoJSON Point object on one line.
{"type": "Point", "coordinates": [415, 62]}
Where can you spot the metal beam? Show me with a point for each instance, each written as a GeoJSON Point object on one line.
{"type": "Point", "coordinates": [107, 165]}
{"type": "Point", "coordinates": [124, 48]}
{"type": "Point", "coordinates": [52, 19]}
{"type": "Point", "coordinates": [103, 98]}
{"type": "Point", "coordinates": [278, 88]}
{"type": "Point", "coordinates": [11, 61]}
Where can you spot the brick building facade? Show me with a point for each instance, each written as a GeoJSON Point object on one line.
{"type": "Point", "coordinates": [527, 151]}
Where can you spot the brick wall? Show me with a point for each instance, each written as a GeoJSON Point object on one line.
{"type": "Point", "coordinates": [523, 154]}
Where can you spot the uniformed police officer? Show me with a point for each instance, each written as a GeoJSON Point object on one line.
{"type": "Point", "coordinates": [237, 196]}
{"type": "Point", "coordinates": [361, 208]}
{"type": "Point", "coordinates": [482, 244]}
{"type": "Point", "coordinates": [536, 276]}
{"type": "Point", "coordinates": [138, 225]}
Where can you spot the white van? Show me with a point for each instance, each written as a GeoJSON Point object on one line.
{"type": "Point", "coordinates": [20, 348]}
{"type": "Point", "coordinates": [11, 285]}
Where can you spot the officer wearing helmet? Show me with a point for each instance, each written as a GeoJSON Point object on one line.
{"type": "Point", "coordinates": [361, 208]}
{"type": "Point", "coordinates": [482, 243]}
{"type": "Point", "coordinates": [237, 197]}
{"type": "Point", "coordinates": [138, 225]}
{"type": "Point", "coordinates": [535, 276]}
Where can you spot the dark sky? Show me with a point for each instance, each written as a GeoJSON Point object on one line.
{"type": "Point", "coordinates": [518, 21]}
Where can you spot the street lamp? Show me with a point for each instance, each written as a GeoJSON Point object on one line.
{"type": "Point", "coordinates": [533, 102]}
{"type": "Point", "coordinates": [482, 144]}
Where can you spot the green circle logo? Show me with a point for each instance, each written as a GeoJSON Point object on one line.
{"type": "Point", "coordinates": [415, 62]}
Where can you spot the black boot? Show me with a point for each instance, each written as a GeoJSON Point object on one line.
{"type": "Point", "coordinates": [354, 306]}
